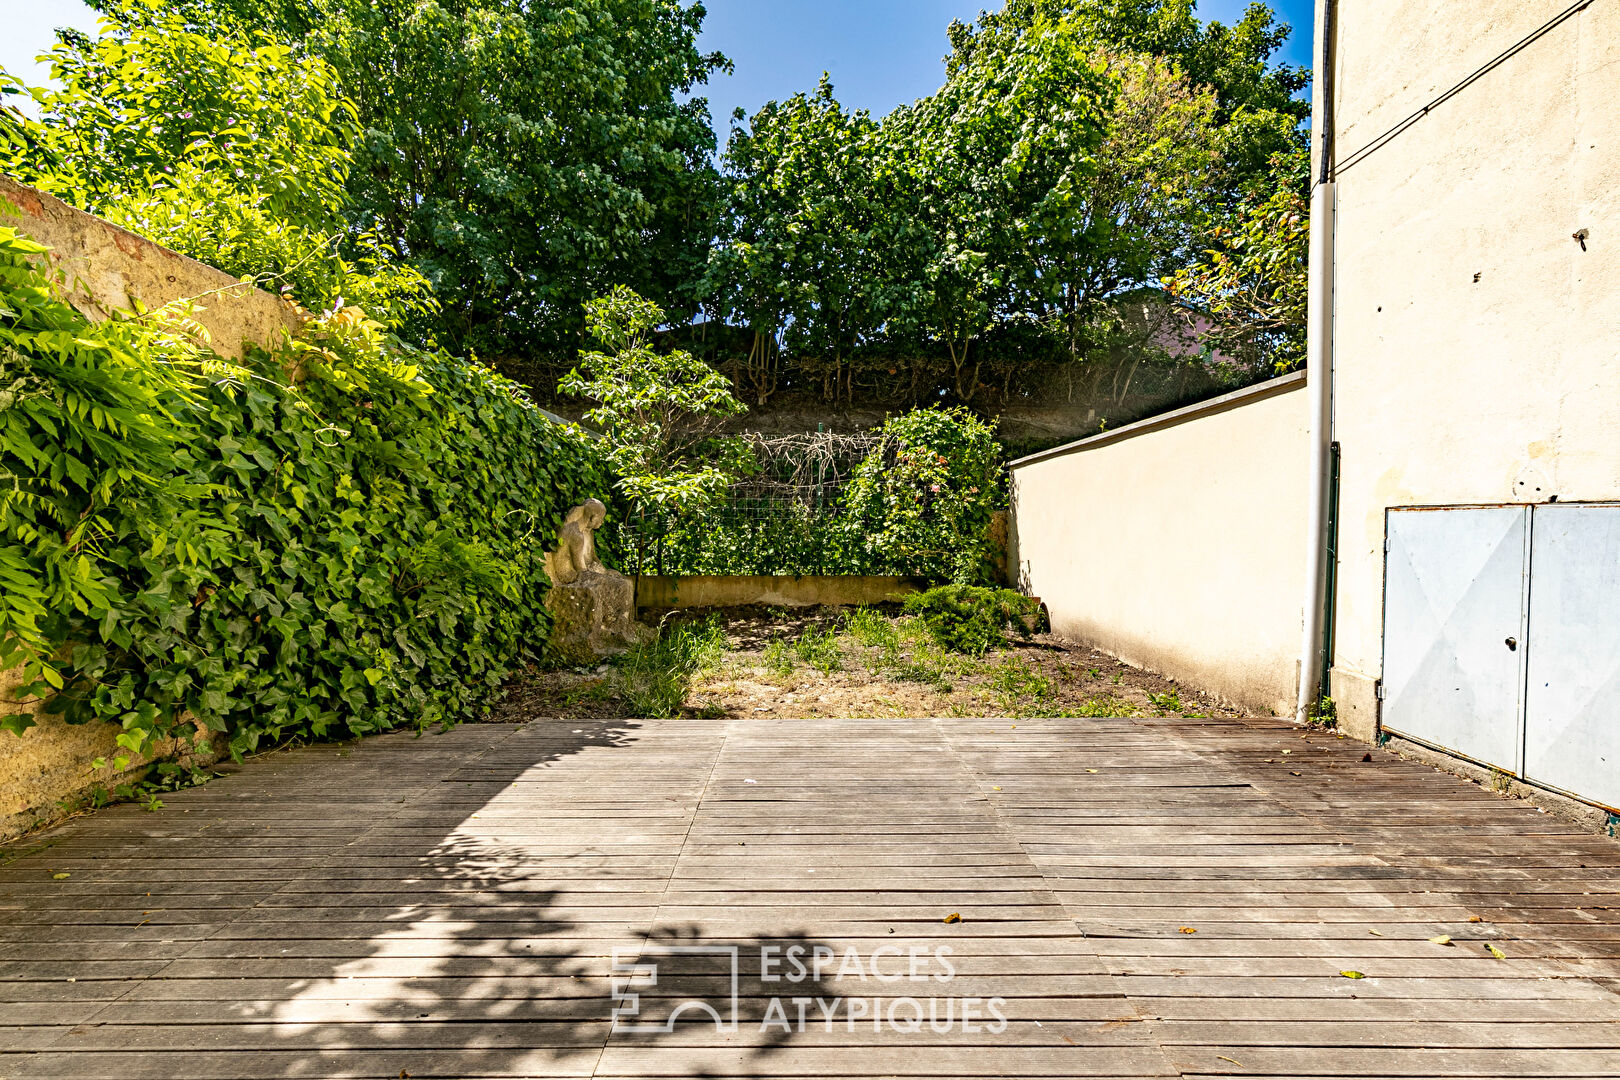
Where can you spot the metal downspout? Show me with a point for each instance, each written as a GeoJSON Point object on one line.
{"type": "Point", "coordinates": [1313, 659]}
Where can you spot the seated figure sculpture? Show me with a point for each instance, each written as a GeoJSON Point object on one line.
{"type": "Point", "coordinates": [593, 609]}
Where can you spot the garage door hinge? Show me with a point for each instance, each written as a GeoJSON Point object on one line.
{"type": "Point", "coordinates": [1378, 689]}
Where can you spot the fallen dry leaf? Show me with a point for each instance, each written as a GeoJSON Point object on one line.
{"type": "Point", "coordinates": [953, 917]}
{"type": "Point", "coordinates": [1494, 951]}
{"type": "Point", "coordinates": [60, 877]}
{"type": "Point", "coordinates": [1352, 974]}
{"type": "Point", "coordinates": [1443, 939]}
{"type": "Point", "coordinates": [1189, 930]}
{"type": "Point", "coordinates": [1376, 933]}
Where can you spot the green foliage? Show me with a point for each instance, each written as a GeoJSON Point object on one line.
{"type": "Point", "coordinates": [658, 409]}
{"type": "Point", "coordinates": [921, 504]}
{"type": "Point", "coordinates": [235, 149]}
{"type": "Point", "coordinates": [654, 677]}
{"type": "Point", "coordinates": [526, 155]}
{"type": "Point", "coordinates": [1252, 279]}
{"type": "Point", "coordinates": [819, 649]}
{"type": "Point", "coordinates": [1106, 708]}
{"type": "Point", "coordinates": [1008, 231]}
{"type": "Point", "coordinates": [1020, 690]}
{"type": "Point", "coordinates": [778, 657]}
{"type": "Point", "coordinates": [1324, 713]}
{"type": "Point", "coordinates": [972, 620]}
{"type": "Point", "coordinates": [185, 544]}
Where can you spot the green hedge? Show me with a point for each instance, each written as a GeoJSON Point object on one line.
{"type": "Point", "coordinates": [185, 538]}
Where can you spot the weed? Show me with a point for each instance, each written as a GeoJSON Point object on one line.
{"type": "Point", "coordinates": [592, 690]}
{"type": "Point", "coordinates": [1118, 678]}
{"type": "Point", "coordinates": [871, 628]}
{"type": "Point", "coordinates": [1324, 713]}
{"type": "Point", "coordinates": [819, 649]}
{"type": "Point", "coordinates": [1094, 673]}
{"type": "Point", "coordinates": [1167, 703]}
{"type": "Point", "coordinates": [653, 677]}
{"type": "Point", "coordinates": [778, 657]}
{"type": "Point", "coordinates": [1103, 707]}
{"type": "Point", "coordinates": [1017, 688]}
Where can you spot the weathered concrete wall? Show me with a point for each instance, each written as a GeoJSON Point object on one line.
{"type": "Point", "coordinates": [1176, 543]}
{"type": "Point", "coordinates": [808, 591]}
{"type": "Point", "coordinates": [108, 269]}
{"type": "Point", "coordinates": [1477, 342]}
{"type": "Point", "coordinates": [49, 771]}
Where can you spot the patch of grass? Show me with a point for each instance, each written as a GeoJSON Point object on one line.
{"type": "Point", "coordinates": [592, 690]}
{"type": "Point", "coordinates": [1018, 689]}
{"type": "Point", "coordinates": [1103, 707]}
{"type": "Point", "coordinates": [872, 628]}
{"type": "Point", "coordinates": [778, 658]}
{"type": "Point", "coordinates": [654, 677]}
{"type": "Point", "coordinates": [819, 649]}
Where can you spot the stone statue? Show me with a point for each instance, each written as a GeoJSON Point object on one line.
{"type": "Point", "coordinates": [576, 544]}
{"type": "Point", "coordinates": [593, 609]}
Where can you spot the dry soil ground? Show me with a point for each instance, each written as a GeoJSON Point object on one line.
{"type": "Point", "coordinates": [827, 662]}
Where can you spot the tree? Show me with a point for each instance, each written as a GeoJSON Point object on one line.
{"type": "Point", "coordinates": [524, 156]}
{"type": "Point", "coordinates": [1252, 280]}
{"type": "Point", "coordinates": [659, 411]}
{"type": "Point", "coordinates": [233, 149]}
{"type": "Point", "coordinates": [983, 237]}
{"type": "Point", "coordinates": [1259, 108]}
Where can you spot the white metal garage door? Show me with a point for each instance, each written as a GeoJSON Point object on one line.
{"type": "Point", "coordinates": [1502, 639]}
{"type": "Point", "coordinates": [1453, 624]}
{"type": "Point", "coordinates": [1572, 711]}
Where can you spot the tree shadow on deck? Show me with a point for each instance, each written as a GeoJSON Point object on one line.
{"type": "Point", "coordinates": [451, 906]}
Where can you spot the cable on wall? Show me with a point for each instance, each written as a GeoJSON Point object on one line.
{"type": "Point", "coordinates": [1535, 35]}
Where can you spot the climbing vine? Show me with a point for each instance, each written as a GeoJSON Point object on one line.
{"type": "Point", "coordinates": [191, 546]}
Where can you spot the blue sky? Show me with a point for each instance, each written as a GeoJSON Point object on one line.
{"type": "Point", "coordinates": [881, 53]}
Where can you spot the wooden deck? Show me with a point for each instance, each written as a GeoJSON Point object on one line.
{"type": "Point", "coordinates": [450, 906]}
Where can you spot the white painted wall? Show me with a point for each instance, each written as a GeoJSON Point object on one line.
{"type": "Point", "coordinates": [1177, 543]}
{"type": "Point", "coordinates": [1478, 346]}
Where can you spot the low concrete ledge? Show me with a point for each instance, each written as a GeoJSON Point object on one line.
{"type": "Point", "coordinates": [808, 591]}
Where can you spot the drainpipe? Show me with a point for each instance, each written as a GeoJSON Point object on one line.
{"type": "Point", "coordinates": [1313, 664]}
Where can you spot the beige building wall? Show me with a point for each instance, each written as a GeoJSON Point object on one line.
{"type": "Point", "coordinates": [107, 269]}
{"type": "Point", "coordinates": [1178, 543]}
{"type": "Point", "coordinates": [1477, 351]}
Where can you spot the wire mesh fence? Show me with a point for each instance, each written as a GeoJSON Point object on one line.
{"type": "Point", "coordinates": [788, 517]}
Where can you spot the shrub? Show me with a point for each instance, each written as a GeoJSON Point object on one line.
{"type": "Point", "coordinates": [972, 620]}
{"type": "Point", "coordinates": [921, 503]}
{"type": "Point", "coordinates": [187, 543]}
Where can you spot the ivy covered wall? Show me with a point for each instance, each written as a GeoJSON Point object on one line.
{"type": "Point", "coordinates": [196, 552]}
